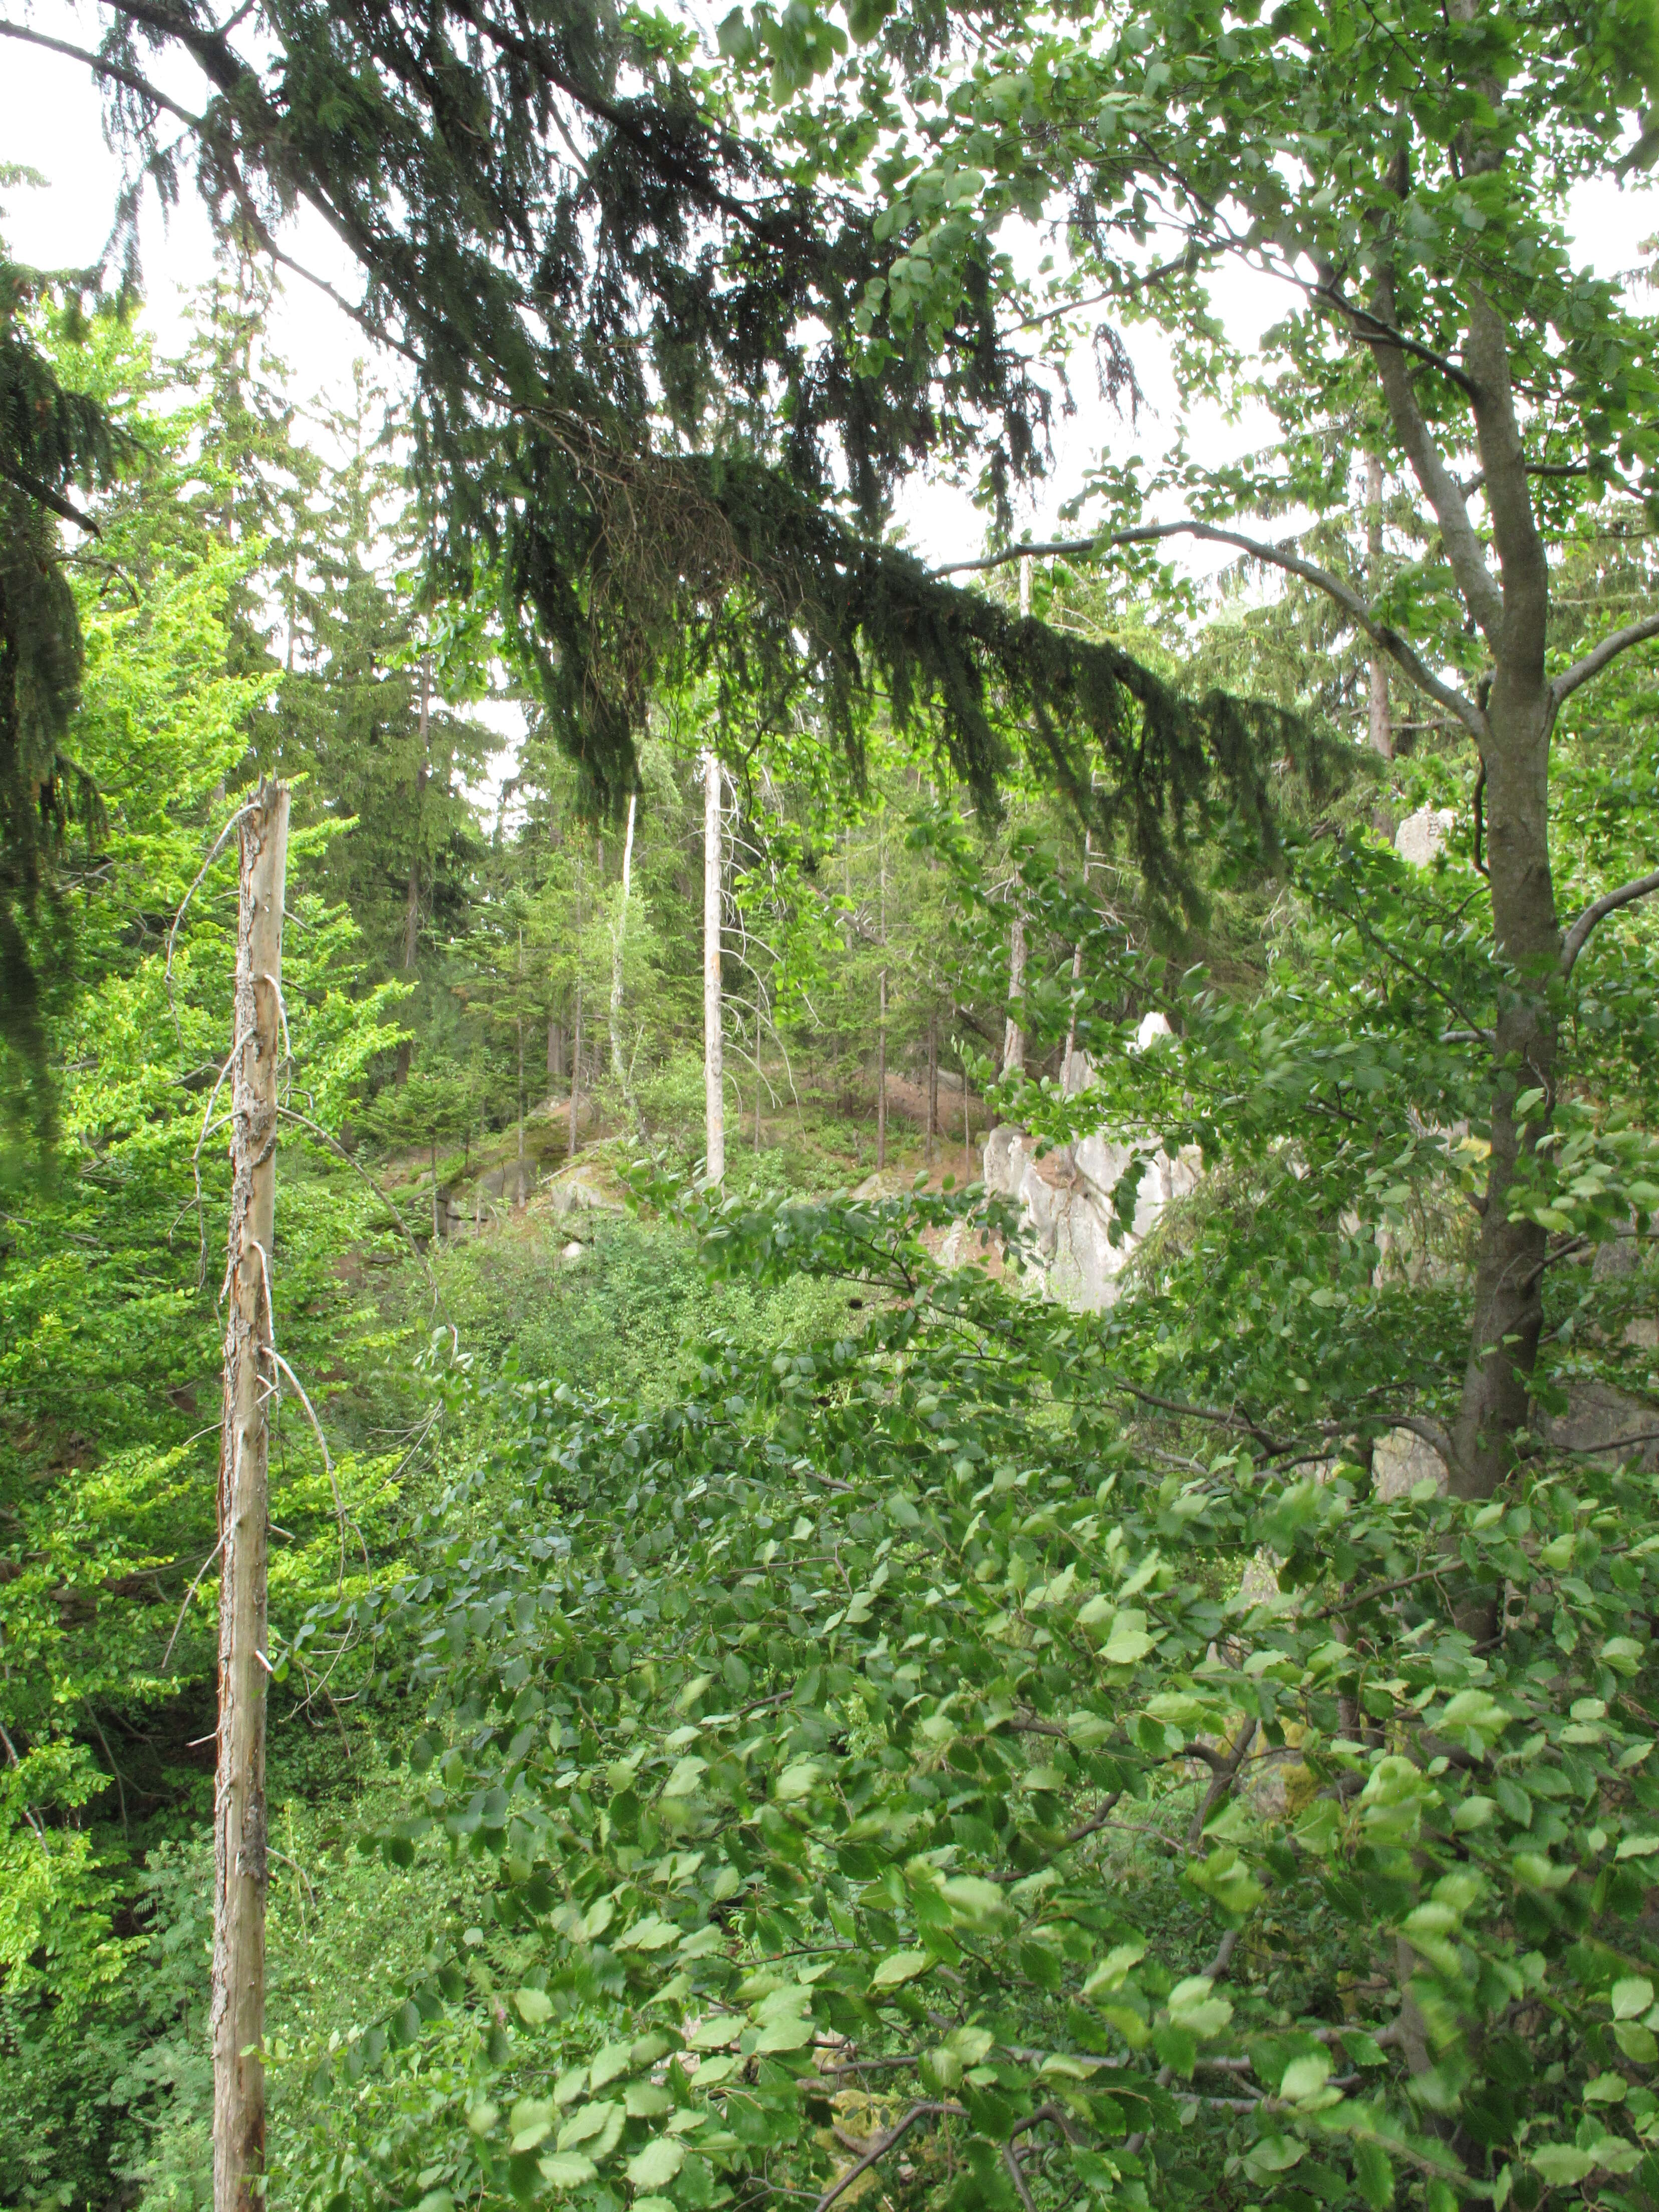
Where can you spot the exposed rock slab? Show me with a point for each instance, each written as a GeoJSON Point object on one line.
{"type": "Point", "coordinates": [1066, 1201]}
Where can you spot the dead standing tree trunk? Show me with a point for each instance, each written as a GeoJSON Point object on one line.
{"type": "Point", "coordinates": [412, 901]}
{"type": "Point", "coordinates": [619, 946]}
{"type": "Point", "coordinates": [237, 2012]}
{"type": "Point", "coordinates": [713, 1077]}
{"type": "Point", "coordinates": [1380, 725]}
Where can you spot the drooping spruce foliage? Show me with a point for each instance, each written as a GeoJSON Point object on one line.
{"type": "Point", "coordinates": [650, 391]}
{"type": "Point", "coordinates": [851, 1726]}
{"type": "Point", "coordinates": [50, 440]}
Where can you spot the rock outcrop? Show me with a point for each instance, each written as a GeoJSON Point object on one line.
{"type": "Point", "coordinates": [1422, 834]}
{"type": "Point", "coordinates": [1067, 1211]}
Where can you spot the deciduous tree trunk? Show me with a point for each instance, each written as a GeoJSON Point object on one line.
{"type": "Point", "coordinates": [237, 2007]}
{"type": "Point", "coordinates": [1510, 722]}
{"type": "Point", "coordinates": [713, 1083]}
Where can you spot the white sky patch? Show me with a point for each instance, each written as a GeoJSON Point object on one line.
{"type": "Point", "coordinates": [50, 120]}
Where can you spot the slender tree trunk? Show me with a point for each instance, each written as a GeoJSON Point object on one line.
{"type": "Point", "coordinates": [881, 1073]}
{"type": "Point", "coordinates": [967, 1131]}
{"type": "Point", "coordinates": [521, 1029]}
{"type": "Point", "coordinates": [412, 901]}
{"type": "Point", "coordinates": [555, 1050]}
{"type": "Point", "coordinates": [1013, 1037]}
{"type": "Point", "coordinates": [933, 1080]}
{"type": "Point", "coordinates": [576, 1073]}
{"type": "Point", "coordinates": [1381, 721]}
{"type": "Point", "coordinates": [618, 1066]}
{"type": "Point", "coordinates": [713, 1066]}
{"type": "Point", "coordinates": [881, 1000]}
{"type": "Point", "coordinates": [576, 1025]}
{"type": "Point", "coordinates": [437, 1229]}
{"type": "Point", "coordinates": [237, 2009]}
{"type": "Point", "coordinates": [1509, 1280]}
{"type": "Point", "coordinates": [1515, 720]}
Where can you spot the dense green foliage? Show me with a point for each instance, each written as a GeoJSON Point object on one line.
{"type": "Point", "coordinates": [768, 1704]}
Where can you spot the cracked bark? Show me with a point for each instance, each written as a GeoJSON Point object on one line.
{"type": "Point", "coordinates": [236, 2012]}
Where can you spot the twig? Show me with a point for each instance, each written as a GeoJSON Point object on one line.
{"type": "Point", "coordinates": [1617, 1443]}
{"type": "Point", "coordinates": [1216, 1413]}
{"type": "Point", "coordinates": [1010, 2159]}
{"type": "Point", "coordinates": [29, 1813]}
{"type": "Point", "coordinates": [1376, 1590]}
{"type": "Point", "coordinates": [1624, 895]}
{"type": "Point", "coordinates": [217, 847]}
{"type": "Point", "coordinates": [288, 1114]}
{"type": "Point", "coordinates": [120, 1787]}
{"type": "Point", "coordinates": [879, 2150]}
{"type": "Point", "coordinates": [184, 1607]}
{"type": "Point", "coordinates": [1223, 1775]}
{"type": "Point", "coordinates": [322, 1444]}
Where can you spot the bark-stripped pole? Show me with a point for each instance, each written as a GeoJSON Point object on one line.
{"type": "Point", "coordinates": [1381, 721]}
{"type": "Point", "coordinates": [881, 1073]}
{"type": "Point", "coordinates": [237, 2011]}
{"type": "Point", "coordinates": [932, 1079]}
{"type": "Point", "coordinates": [881, 1015]}
{"type": "Point", "coordinates": [618, 939]}
{"type": "Point", "coordinates": [1013, 1037]}
{"type": "Point", "coordinates": [714, 1080]}
{"type": "Point", "coordinates": [576, 1041]}
{"type": "Point", "coordinates": [522, 1192]}
{"type": "Point", "coordinates": [412, 902]}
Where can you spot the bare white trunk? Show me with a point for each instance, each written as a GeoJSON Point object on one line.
{"type": "Point", "coordinates": [881, 1009]}
{"type": "Point", "coordinates": [237, 2007]}
{"type": "Point", "coordinates": [618, 937]}
{"type": "Point", "coordinates": [1381, 720]}
{"type": "Point", "coordinates": [881, 1074]}
{"type": "Point", "coordinates": [576, 1039]}
{"type": "Point", "coordinates": [933, 1080]}
{"type": "Point", "coordinates": [714, 1082]}
{"type": "Point", "coordinates": [1013, 1037]}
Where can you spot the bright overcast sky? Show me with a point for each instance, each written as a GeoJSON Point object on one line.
{"type": "Point", "coordinates": [51, 121]}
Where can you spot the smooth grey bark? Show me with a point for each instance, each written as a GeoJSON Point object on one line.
{"type": "Point", "coordinates": [1513, 721]}
{"type": "Point", "coordinates": [576, 1038]}
{"type": "Point", "coordinates": [237, 2004]}
{"type": "Point", "coordinates": [881, 1006]}
{"type": "Point", "coordinates": [412, 900]}
{"type": "Point", "coordinates": [881, 1072]}
{"type": "Point", "coordinates": [714, 1078]}
{"type": "Point", "coordinates": [1013, 1037]}
{"type": "Point", "coordinates": [933, 1080]}
{"type": "Point", "coordinates": [519, 1026]}
{"type": "Point", "coordinates": [618, 937]}
{"type": "Point", "coordinates": [1380, 719]}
